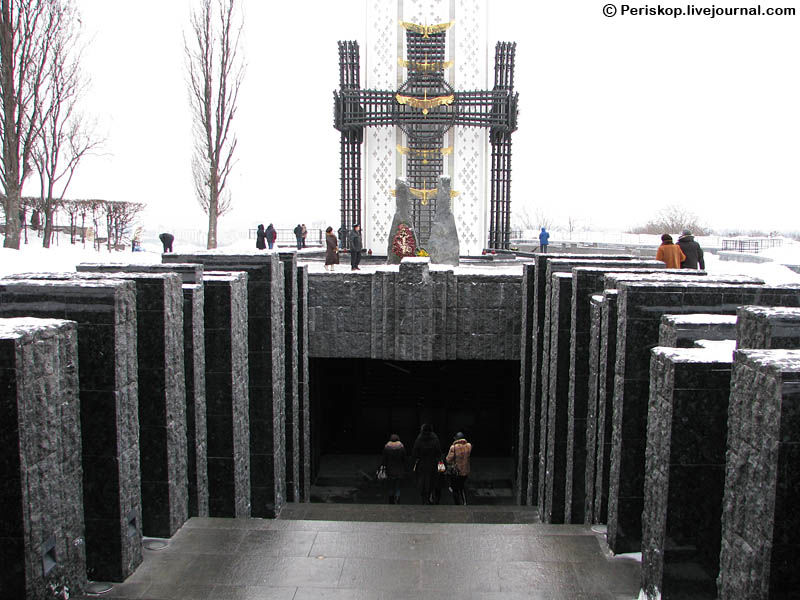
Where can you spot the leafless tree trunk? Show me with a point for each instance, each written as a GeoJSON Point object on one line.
{"type": "Point", "coordinates": [64, 136]}
{"type": "Point", "coordinates": [26, 35]}
{"type": "Point", "coordinates": [215, 72]}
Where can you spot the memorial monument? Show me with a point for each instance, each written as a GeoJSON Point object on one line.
{"type": "Point", "coordinates": [425, 113]}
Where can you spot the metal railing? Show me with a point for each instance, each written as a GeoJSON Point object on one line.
{"type": "Point", "coordinates": [286, 237]}
{"type": "Point", "coordinates": [750, 245]}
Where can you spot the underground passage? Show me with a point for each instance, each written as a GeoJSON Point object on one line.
{"type": "Point", "coordinates": [356, 404]}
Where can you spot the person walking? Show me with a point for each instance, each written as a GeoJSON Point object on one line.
{"type": "Point", "coordinates": [426, 455]}
{"type": "Point", "coordinates": [544, 240]}
{"type": "Point", "coordinates": [303, 233]}
{"type": "Point", "coordinates": [261, 238]}
{"type": "Point", "coordinates": [166, 241]}
{"type": "Point", "coordinates": [458, 456]}
{"type": "Point", "coordinates": [692, 251]}
{"type": "Point", "coordinates": [355, 247]}
{"type": "Point", "coordinates": [271, 234]}
{"type": "Point", "coordinates": [331, 250]}
{"type": "Point", "coordinates": [669, 253]}
{"type": "Point", "coordinates": [298, 234]}
{"type": "Point", "coordinates": [394, 461]}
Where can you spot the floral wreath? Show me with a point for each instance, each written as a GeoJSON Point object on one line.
{"type": "Point", "coordinates": [403, 242]}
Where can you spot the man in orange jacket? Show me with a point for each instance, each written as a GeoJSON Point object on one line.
{"type": "Point", "coordinates": [670, 254]}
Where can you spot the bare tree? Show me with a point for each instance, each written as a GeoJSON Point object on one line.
{"type": "Point", "coordinates": [65, 137]}
{"type": "Point", "coordinates": [215, 72]}
{"type": "Point", "coordinates": [120, 217]}
{"type": "Point", "coordinates": [26, 36]}
{"type": "Point", "coordinates": [673, 219]}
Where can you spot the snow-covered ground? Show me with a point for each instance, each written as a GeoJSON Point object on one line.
{"type": "Point", "coordinates": [33, 258]}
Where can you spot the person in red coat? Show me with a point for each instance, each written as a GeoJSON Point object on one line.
{"type": "Point", "coordinates": [670, 254]}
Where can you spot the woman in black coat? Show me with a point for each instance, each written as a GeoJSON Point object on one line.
{"type": "Point", "coordinates": [426, 455]}
{"type": "Point", "coordinates": [394, 459]}
{"type": "Point", "coordinates": [331, 249]}
{"type": "Point", "coordinates": [261, 238]}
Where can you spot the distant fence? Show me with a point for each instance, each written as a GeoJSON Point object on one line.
{"type": "Point", "coordinates": [286, 237]}
{"type": "Point", "coordinates": [750, 245]}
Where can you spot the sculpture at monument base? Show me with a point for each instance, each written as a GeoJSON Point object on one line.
{"type": "Point", "coordinates": [443, 244]}
{"type": "Point", "coordinates": [402, 237]}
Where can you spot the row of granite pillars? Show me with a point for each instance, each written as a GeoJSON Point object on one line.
{"type": "Point", "coordinates": [601, 457]}
{"type": "Point", "coordinates": [141, 395]}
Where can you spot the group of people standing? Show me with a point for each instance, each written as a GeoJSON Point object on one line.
{"type": "Point", "coordinates": [429, 465]}
{"type": "Point", "coordinates": [332, 248]}
{"type": "Point", "coordinates": [686, 254]}
{"type": "Point", "coordinates": [265, 237]}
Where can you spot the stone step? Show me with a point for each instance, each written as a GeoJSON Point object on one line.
{"type": "Point", "coordinates": [443, 513]}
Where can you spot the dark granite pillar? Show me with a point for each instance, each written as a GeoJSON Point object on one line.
{"type": "Point", "coordinates": [586, 281]}
{"type": "Point", "coordinates": [684, 471]}
{"type": "Point", "coordinates": [292, 407]}
{"type": "Point", "coordinates": [162, 401]}
{"type": "Point", "coordinates": [605, 402]}
{"type": "Point", "coordinates": [41, 504]}
{"type": "Point", "coordinates": [641, 305]}
{"type": "Point", "coordinates": [227, 414]}
{"type": "Point", "coordinates": [534, 493]}
{"type": "Point", "coordinates": [106, 315]}
{"type": "Point", "coordinates": [680, 331]}
{"type": "Point", "coordinates": [526, 371]}
{"type": "Point", "coordinates": [303, 384]}
{"type": "Point", "coordinates": [267, 371]}
{"type": "Point", "coordinates": [592, 393]}
{"type": "Point", "coordinates": [194, 369]}
{"type": "Point", "coordinates": [760, 518]}
{"type": "Point", "coordinates": [768, 328]}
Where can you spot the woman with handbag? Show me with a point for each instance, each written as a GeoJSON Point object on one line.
{"type": "Point", "coordinates": [393, 466]}
{"type": "Point", "coordinates": [458, 467]}
{"type": "Point", "coordinates": [427, 454]}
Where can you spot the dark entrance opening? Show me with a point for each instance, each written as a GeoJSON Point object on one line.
{"type": "Point", "coordinates": [357, 403]}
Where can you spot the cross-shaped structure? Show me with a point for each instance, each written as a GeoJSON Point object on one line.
{"type": "Point", "coordinates": [424, 110]}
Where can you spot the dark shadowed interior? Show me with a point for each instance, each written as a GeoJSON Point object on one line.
{"type": "Point", "coordinates": [356, 404]}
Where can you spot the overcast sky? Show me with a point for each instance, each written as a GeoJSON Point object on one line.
{"type": "Point", "coordinates": [618, 116]}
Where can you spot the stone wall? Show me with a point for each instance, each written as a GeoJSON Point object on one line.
{"type": "Point", "coordinates": [105, 311]}
{"type": "Point", "coordinates": [684, 470]}
{"type": "Point", "coordinates": [766, 328]}
{"type": "Point", "coordinates": [414, 313]}
{"type": "Point", "coordinates": [227, 412]}
{"type": "Point", "coordinates": [267, 368]}
{"type": "Point", "coordinates": [681, 331]}
{"type": "Point", "coordinates": [641, 305]}
{"type": "Point", "coordinates": [760, 519]}
{"type": "Point", "coordinates": [41, 507]}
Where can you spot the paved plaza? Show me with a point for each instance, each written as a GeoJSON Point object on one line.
{"type": "Point", "coordinates": [382, 553]}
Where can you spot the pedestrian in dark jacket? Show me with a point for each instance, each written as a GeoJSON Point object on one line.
{"type": "Point", "coordinates": [261, 238]}
{"type": "Point", "coordinates": [692, 251]}
{"type": "Point", "coordinates": [458, 456]}
{"type": "Point", "coordinates": [426, 455]}
{"type": "Point", "coordinates": [298, 233]}
{"type": "Point", "coordinates": [166, 241]}
{"type": "Point", "coordinates": [355, 247]}
{"type": "Point", "coordinates": [544, 240]}
{"type": "Point", "coordinates": [271, 235]}
{"type": "Point", "coordinates": [394, 459]}
{"type": "Point", "coordinates": [331, 249]}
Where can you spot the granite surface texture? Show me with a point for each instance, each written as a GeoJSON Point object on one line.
{"type": "Point", "coordinates": [162, 400]}
{"type": "Point", "coordinates": [227, 410]}
{"type": "Point", "coordinates": [266, 364]}
{"type": "Point", "coordinates": [684, 471]}
{"type": "Point", "coordinates": [443, 245]}
{"type": "Point", "coordinates": [681, 331]}
{"type": "Point", "coordinates": [303, 385]}
{"type": "Point", "coordinates": [41, 507]}
{"type": "Point", "coordinates": [758, 558]}
{"type": "Point", "coordinates": [641, 305]}
{"type": "Point", "coordinates": [761, 327]}
{"type": "Point", "coordinates": [292, 407]}
{"type": "Point", "coordinates": [414, 313]}
{"type": "Point", "coordinates": [105, 311]}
